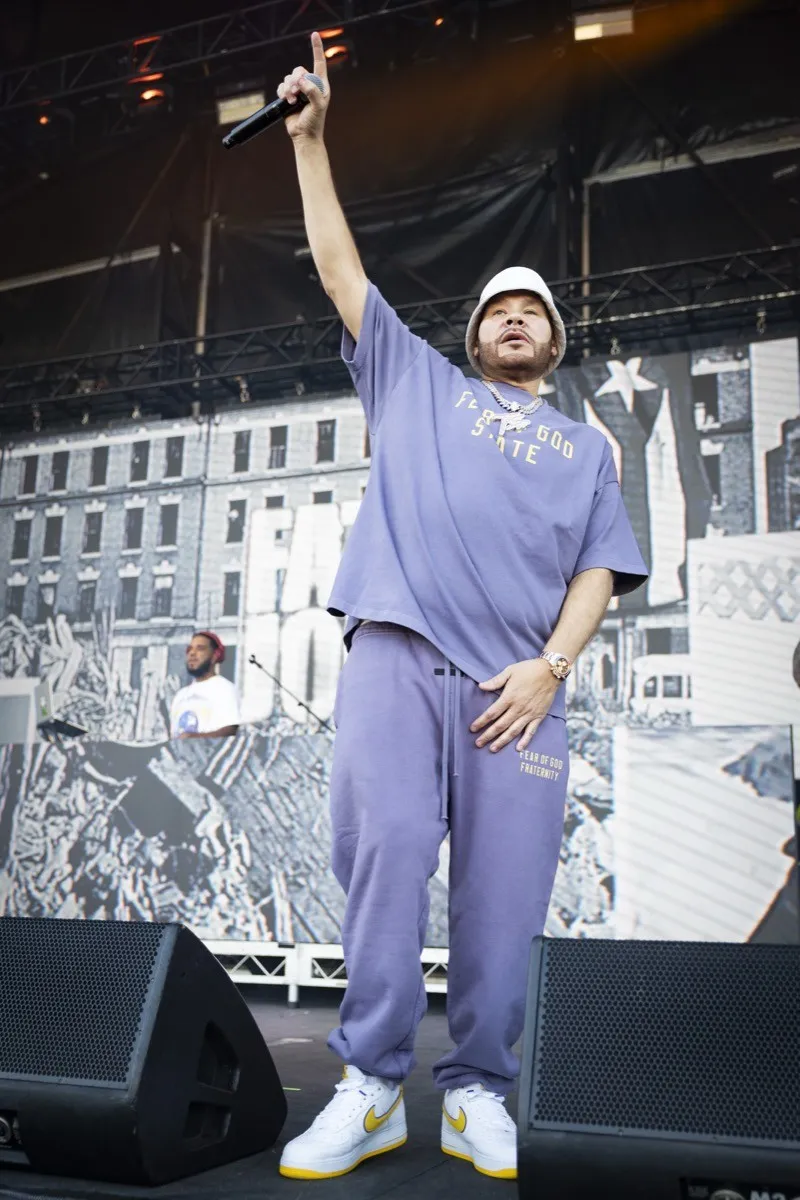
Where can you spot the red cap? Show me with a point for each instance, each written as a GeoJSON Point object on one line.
{"type": "Point", "coordinates": [216, 642]}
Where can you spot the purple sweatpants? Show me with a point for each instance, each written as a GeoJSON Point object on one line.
{"type": "Point", "coordinates": [405, 771]}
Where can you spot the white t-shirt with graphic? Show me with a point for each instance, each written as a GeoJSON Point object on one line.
{"type": "Point", "coordinates": [204, 706]}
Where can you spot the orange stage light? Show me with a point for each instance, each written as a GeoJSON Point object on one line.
{"type": "Point", "coordinates": [336, 51]}
{"type": "Point", "coordinates": [439, 21]}
{"type": "Point", "coordinates": [147, 78]}
{"type": "Point", "coordinates": [330, 33]}
{"type": "Point", "coordinates": [43, 119]}
{"type": "Point", "coordinates": [150, 94]}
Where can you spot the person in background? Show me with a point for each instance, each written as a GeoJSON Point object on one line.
{"type": "Point", "coordinates": [209, 706]}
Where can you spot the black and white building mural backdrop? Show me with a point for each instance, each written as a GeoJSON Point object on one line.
{"type": "Point", "coordinates": [115, 545]}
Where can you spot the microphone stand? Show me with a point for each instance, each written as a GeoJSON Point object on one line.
{"type": "Point", "coordinates": [297, 700]}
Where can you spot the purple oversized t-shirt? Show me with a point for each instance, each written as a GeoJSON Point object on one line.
{"type": "Point", "coordinates": [469, 538]}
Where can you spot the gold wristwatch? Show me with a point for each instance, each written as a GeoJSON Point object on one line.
{"type": "Point", "coordinates": [560, 665]}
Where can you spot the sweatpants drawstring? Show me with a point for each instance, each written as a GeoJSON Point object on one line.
{"type": "Point", "coordinates": [451, 715]}
{"type": "Point", "coordinates": [456, 719]}
{"type": "Point", "coordinates": [445, 787]}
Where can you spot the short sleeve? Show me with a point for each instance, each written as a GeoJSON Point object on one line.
{"type": "Point", "coordinates": [228, 711]}
{"type": "Point", "coordinates": [385, 350]}
{"type": "Point", "coordinates": [609, 540]}
{"type": "Point", "coordinates": [174, 715]}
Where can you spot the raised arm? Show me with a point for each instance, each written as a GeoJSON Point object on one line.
{"type": "Point", "coordinates": [329, 238]}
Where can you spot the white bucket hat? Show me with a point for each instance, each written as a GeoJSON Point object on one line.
{"type": "Point", "coordinates": [516, 279]}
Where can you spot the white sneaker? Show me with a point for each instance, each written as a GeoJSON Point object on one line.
{"type": "Point", "coordinates": [476, 1127]}
{"type": "Point", "coordinates": [366, 1117]}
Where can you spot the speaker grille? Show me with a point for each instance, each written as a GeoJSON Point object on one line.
{"type": "Point", "coordinates": [669, 1037]}
{"type": "Point", "coordinates": [72, 995]}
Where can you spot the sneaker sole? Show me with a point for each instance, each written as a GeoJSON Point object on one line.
{"type": "Point", "coordinates": [302, 1173]}
{"type": "Point", "coordinates": [457, 1146]}
{"type": "Point", "coordinates": [504, 1173]}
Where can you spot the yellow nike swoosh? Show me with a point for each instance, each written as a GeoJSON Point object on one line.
{"type": "Point", "coordinates": [373, 1122]}
{"type": "Point", "coordinates": [458, 1123]}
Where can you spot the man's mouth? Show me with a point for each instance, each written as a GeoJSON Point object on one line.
{"type": "Point", "coordinates": [513, 335]}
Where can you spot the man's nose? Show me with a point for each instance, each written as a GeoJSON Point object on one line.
{"type": "Point", "coordinates": [515, 319]}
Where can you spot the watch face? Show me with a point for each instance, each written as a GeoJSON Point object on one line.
{"type": "Point", "coordinates": [562, 667]}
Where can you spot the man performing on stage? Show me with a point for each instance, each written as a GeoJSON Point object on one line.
{"type": "Point", "coordinates": [489, 542]}
{"type": "Point", "coordinates": [209, 706]}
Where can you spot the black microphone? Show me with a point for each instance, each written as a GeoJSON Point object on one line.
{"type": "Point", "coordinates": [270, 114]}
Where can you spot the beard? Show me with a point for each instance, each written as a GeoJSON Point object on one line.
{"type": "Point", "coordinates": [202, 669]}
{"type": "Point", "coordinates": [522, 366]}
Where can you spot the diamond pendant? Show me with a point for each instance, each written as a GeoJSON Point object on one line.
{"type": "Point", "coordinates": [514, 422]}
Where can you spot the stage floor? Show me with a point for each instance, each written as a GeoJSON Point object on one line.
{"type": "Point", "coordinates": [418, 1171]}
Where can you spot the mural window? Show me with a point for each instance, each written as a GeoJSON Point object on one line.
{"type": "Point", "coordinates": [46, 606]}
{"type": "Point", "coordinates": [174, 461]}
{"type": "Point", "coordinates": [168, 525]}
{"type": "Point", "coordinates": [92, 533]}
{"type": "Point", "coordinates": [99, 469]}
{"type": "Point", "coordinates": [128, 592]}
{"type": "Point", "coordinates": [659, 641]}
{"type": "Point", "coordinates": [52, 537]}
{"type": "Point", "coordinates": [241, 452]}
{"type": "Point", "coordinates": [140, 461]}
{"type": "Point", "coordinates": [673, 687]}
{"type": "Point", "coordinates": [711, 463]}
{"type": "Point", "coordinates": [22, 539]}
{"type": "Point", "coordinates": [15, 600]}
{"type": "Point", "coordinates": [230, 600]}
{"type": "Point", "coordinates": [162, 596]}
{"type": "Point", "coordinates": [237, 514]}
{"type": "Point", "coordinates": [58, 479]}
{"type": "Point", "coordinates": [87, 596]}
{"type": "Point", "coordinates": [706, 400]}
{"type": "Point", "coordinates": [278, 441]}
{"type": "Point", "coordinates": [134, 526]}
{"type": "Point", "coordinates": [326, 441]}
{"type": "Point", "coordinates": [30, 470]}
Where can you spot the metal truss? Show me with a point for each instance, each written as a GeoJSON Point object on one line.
{"type": "Point", "coordinates": [659, 308]}
{"type": "Point", "coordinates": [185, 46]}
{"type": "Point", "coordinates": [307, 964]}
{"type": "Point", "coordinates": [319, 965]}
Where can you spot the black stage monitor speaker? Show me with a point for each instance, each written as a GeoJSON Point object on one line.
{"type": "Point", "coordinates": [661, 1071]}
{"type": "Point", "coordinates": [126, 1054]}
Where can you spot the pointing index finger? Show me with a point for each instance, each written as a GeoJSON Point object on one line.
{"type": "Point", "coordinates": [320, 61]}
